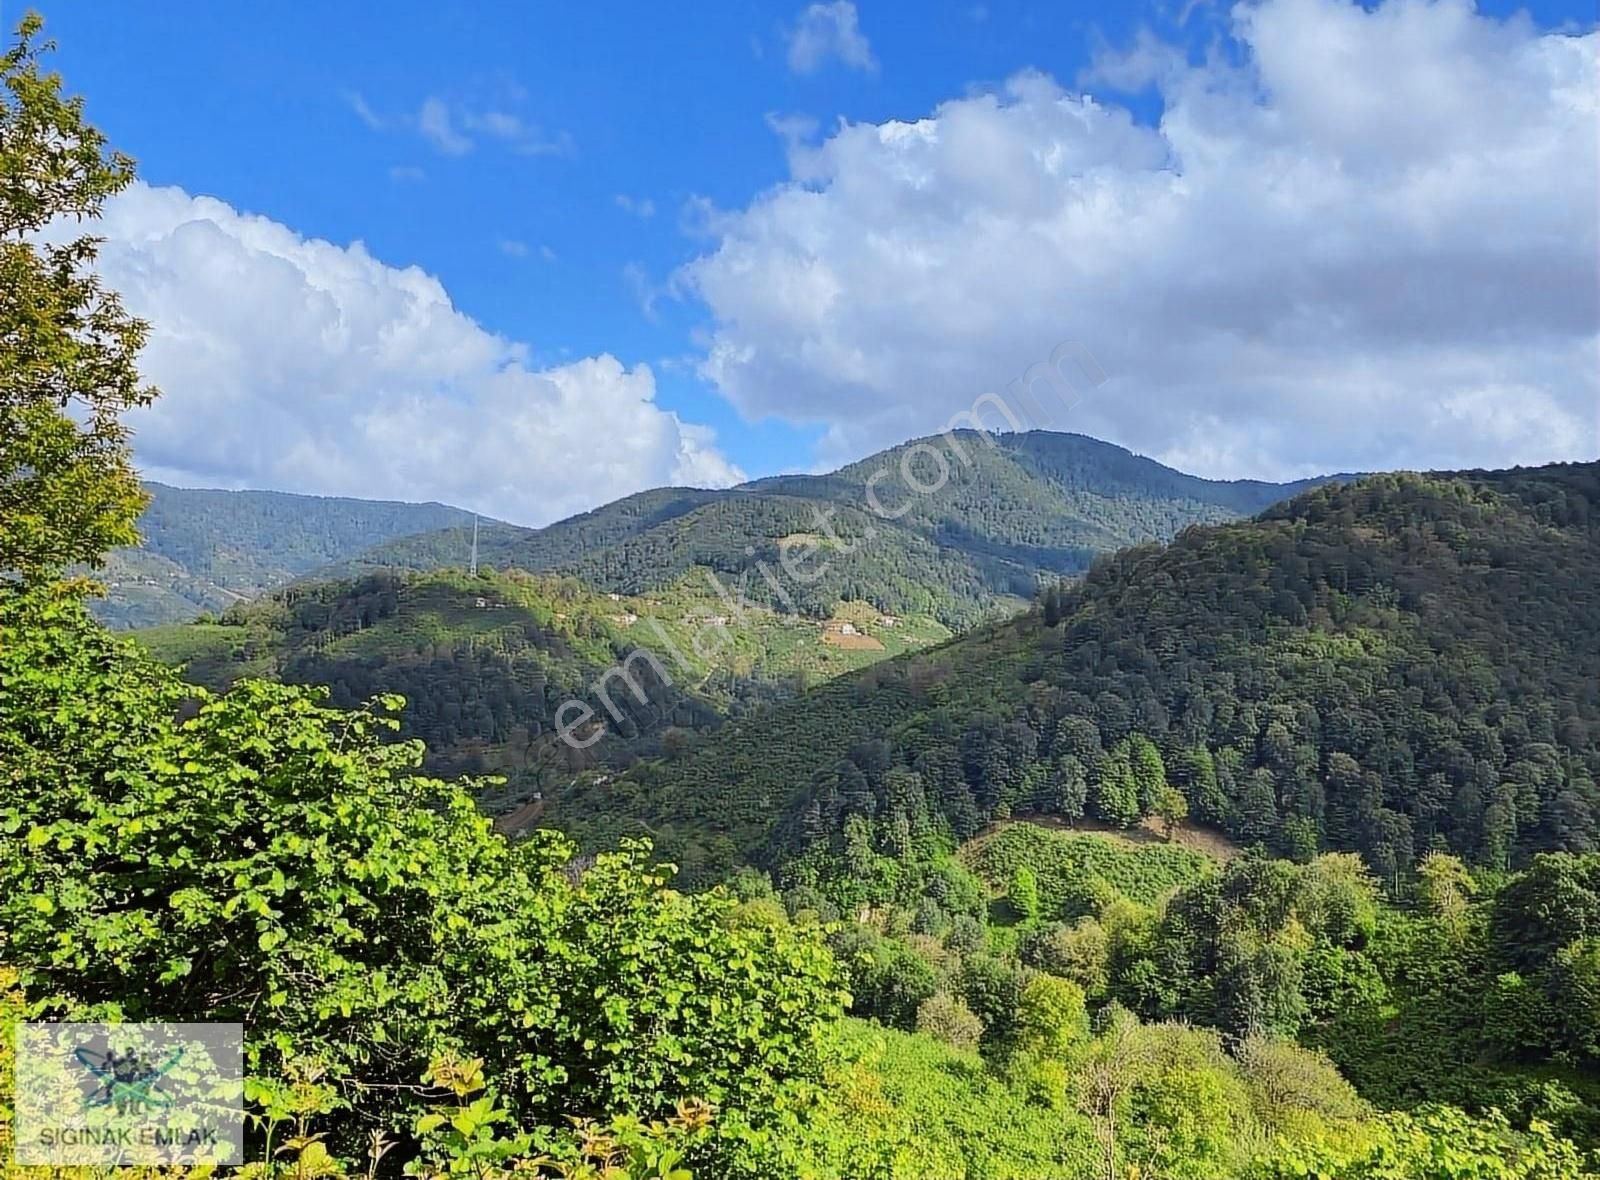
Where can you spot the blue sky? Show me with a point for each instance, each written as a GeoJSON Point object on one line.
{"type": "Point", "coordinates": [557, 168]}
{"type": "Point", "coordinates": [659, 103]}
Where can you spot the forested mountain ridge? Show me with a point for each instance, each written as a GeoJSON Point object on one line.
{"type": "Point", "coordinates": [205, 549]}
{"type": "Point", "coordinates": [1397, 664]}
{"type": "Point", "coordinates": [999, 514]}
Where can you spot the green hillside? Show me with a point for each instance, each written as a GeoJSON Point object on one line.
{"type": "Point", "coordinates": [205, 549]}
{"type": "Point", "coordinates": [1469, 988]}
{"type": "Point", "coordinates": [999, 515]}
{"type": "Point", "coordinates": [1391, 666]}
{"type": "Point", "coordinates": [1007, 513]}
{"type": "Point", "coordinates": [486, 662]}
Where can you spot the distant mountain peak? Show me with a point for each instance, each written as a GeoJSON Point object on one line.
{"type": "Point", "coordinates": [950, 525]}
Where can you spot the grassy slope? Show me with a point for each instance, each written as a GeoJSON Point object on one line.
{"type": "Point", "coordinates": [1066, 861]}
{"type": "Point", "coordinates": [940, 1114]}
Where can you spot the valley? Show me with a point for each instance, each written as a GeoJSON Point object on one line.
{"type": "Point", "coordinates": [1390, 665]}
{"type": "Point", "coordinates": [486, 661]}
{"type": "Point", "coordinates": [1235, 781]}
{"type": "Point", "coordinates": [741, 598]}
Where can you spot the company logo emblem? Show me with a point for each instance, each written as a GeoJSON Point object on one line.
{"type": "Point", "coordinates": [129, 1094]}
{"type": "Point", "coordinates": [127, 1082]}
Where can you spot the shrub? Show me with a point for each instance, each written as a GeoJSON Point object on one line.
{"type": "Point", "coordinates": [1440, 1144]}
{"type": "Point", "coordinates": [1023, 893]}
{"type": "Point", "coordinates": [1075, 872]}
{"type": "Point", "coordinates": [967, 935]}
{"type": "Point", "coordinates": [1286, 1080]}
{"type": "Point", "coordinates": [992, 988]}
{"type": "Point", "coordinates": [1051, 1017]}
{"type": "Point", "coordinates": [1080, 952]}
{"type": "Point", "coordinates": [930, 918]}
{"type": "Point", "coordinates": [947, 1019]}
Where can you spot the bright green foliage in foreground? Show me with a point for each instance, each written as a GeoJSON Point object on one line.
{"type": "Point", "coordinates": [1159, 1102]}
{"type": "Point", "coordinates": [1478, 991]}
{"type": "Point", "coordinates": [464, 1131]}
{"type": "Point", "coordinates": [910, 1107]}
{"type": "Point", "coordinates": [1438, 1145]}
{"type": "Point", "coordinates": [1486, 1000]}
{"type": "Point", "coordinates": [271, 861]}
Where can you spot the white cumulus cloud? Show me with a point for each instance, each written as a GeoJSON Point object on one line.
{"type": "Point", "coordinates": [292, 363]}
{"type": "Point", "coordinates": [827, 31]}
{"type": "Point", "coordinates": [1358, 238]}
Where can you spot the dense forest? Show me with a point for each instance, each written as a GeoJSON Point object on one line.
{"type": "Point", "coordinates": [1014, 509]}
{"type": "Point", "coordinates": [954, 527]}
{"type": "Point", "coordinates": [1477, 988]}
{"type": "Point", "coordinates": [507, 1008]}
{"type": "Point", "coordinates": [483, 663]}
{"type": "Point", "coordinates": [205, 550]}
{"type": "Point", "coordinates": [1393, 666]}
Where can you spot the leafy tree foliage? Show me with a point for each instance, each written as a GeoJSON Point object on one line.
{"type": "Point", "coordinates": [271, 861]}
{"type": "Point", "coordinates": [947, 1019]}
{"type": "Point", "coordinates": [67, 347]}
{"type": "Point", "coordinates": [1051, 1016]}
{"type": "Point", "coordinates": [1442, 1145]}
{"type": "Point", "coordinates": [1173, 809]}
{"type": "Point", "coordinates": [1024, 893]}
